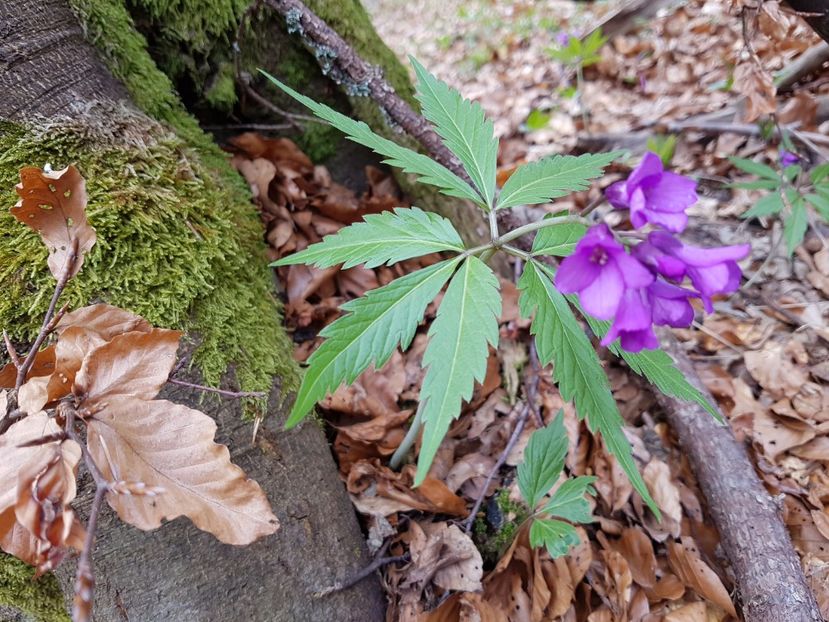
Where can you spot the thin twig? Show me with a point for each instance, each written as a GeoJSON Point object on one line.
{"type": "Point", "coordinates": [85, 574]}
{"type": "Point", "coordinates": [10, 349]}
{"type": "Point", "coordinates": [47, 325]}
{"type": "Point", "coordinates": [10, 419]}
{"type": "Point", "coordinates": [223, 392]}
{"type": "Point", "coordinates": [344, 64]}
{"type": "Point", "coordinates": [516, 433]}
{"type": "Point", "coordinates": [362, 574]}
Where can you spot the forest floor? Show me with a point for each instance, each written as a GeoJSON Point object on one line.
{"type": "Point", "coordinates": [763, 353]}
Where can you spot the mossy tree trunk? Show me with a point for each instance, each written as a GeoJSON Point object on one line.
{"type": "Point", "coordinates": [180, 243]}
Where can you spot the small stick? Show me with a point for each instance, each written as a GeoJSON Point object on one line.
{"type": "Point", "coordinates": [516, 433]}
{"type": "Point", "coordinates": [10, 349]}
{"type": "Point", "coordinates": [223, 392]}
{"type": "Point", "coordinates": [47, 325]}
{"type": "Point", "coordinates": [362, 574]}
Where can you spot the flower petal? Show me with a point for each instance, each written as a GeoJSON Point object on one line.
{"type": "Point", "coordinates": [576, 272]}
{"type": "Point", "coordinates": [634, 274]}
{"type": "Point", "coordinates": [672, 193]}
{"type": "Point", "coordinates": [617, 195]}
{"type": "Point", "coordinates": [671, 222]}
{"type": "Point", "coordinates": [601, 298]}
{"type": "Point", "coordinates": [650, 166]}
{"type": "Point", "coordinates": [699, 256]}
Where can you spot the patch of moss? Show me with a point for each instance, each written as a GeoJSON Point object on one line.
{"type": "Point", "coordinates": [493, 542]}
{"type": "Point", "coordinates": [175, 244]}
{"type": "Point", "coordinates": [41, 598]}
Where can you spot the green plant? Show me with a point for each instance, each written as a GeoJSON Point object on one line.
{"type": "Point", "coordinates": [578, 53]}
{"type": "Point", "coordinates": [540, 471]}
{"type": "Point", "coordinates": [792, 192]}
{"type": "Point", "coordinates": [467, 320]}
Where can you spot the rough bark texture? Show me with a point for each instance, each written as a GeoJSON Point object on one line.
{"type": "Point", "coordinates": [767, 572]}
{"type": "Point", "coordinates": [178, 573]}
{"type": "Point", "coordinates": [45, 64]}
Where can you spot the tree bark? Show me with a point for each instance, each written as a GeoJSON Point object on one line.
{"type": "Point", "coordinates": [49, 74]}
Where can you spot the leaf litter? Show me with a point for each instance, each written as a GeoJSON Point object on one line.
{"type": "Point", "coordinates": [764, 353]}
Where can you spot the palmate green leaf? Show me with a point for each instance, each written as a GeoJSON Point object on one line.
{"type": "Point", "coordinates": [558, 240]}
{"type": "Point", "coordinates": [374, 326]}
{"type": "Point", "coordinates": [555, 176]}
{"type": "Point", "coordinates": [556, 536]}
{"type": "Point", "coordinates": [768, 205]}
{"type": "Point", "coordinates": [820, 203]}
{"type": "Point", "coordinates": [569, 502]}
{"type": "Point", "coordinates": [387, 238]}
{"type": "Point", "coordinates": [543, 461]}
{"type": "Point", "coordinates": [456, 355]}
{"type": "Point", "coordinates": [795, 225]}
{"type": "Point", "coordinates": [428, 171]}
{"type": "Point", "coordinates": [657, 367]}
{"type": "Point", "coordinates": [755, 168]}
{"type": "Point", "coordinates": [577, 370]}
{"type": "Point", "coordinates": [464, 129]}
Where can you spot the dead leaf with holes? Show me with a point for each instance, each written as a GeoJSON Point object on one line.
{"type": "Point", "coordinates": [54, 205]}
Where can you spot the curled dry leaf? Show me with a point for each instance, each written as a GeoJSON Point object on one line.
{"type": "Point", "coordinates": [376, 489]}
{"type": "Point", "coordinates": [444, 555]}
{"type": "Point", "coordinates": [636, 547]}
{"type": "Point", "coordinates": [657, 476]}
{"type": "Point", "coordinates": [54, 205]}
{"type": "Point", "coordinates": [17, 453]}
{"type": "Point", "coordinates": [695, 573]}
{"type": "Point", "coordinates": [135, 364]}
{"type": "Point", "coordinates": [169, 446]}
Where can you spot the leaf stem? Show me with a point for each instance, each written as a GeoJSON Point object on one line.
{"type": "Point", "coordinates": [517, 252]}
{"type": "Point", "coordinates": [535, 226]}
{"type": "Point", "coordinates": [493, 225]}
{"type": "Point", "coordinates": [409, 440]}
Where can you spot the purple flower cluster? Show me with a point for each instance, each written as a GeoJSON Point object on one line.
{"type": "Point", "coordinates": [641, 287]}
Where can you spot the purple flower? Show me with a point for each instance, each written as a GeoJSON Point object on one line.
{"type": "Point", "coordinates": [633, 323]}
{"type": "Point", "coordinates": [563, 39]}
{"type": "Point", "coordinates": [654, 195]}
{"type": "Point", "coordinates": [600, 271]}
{"type": "Point", "coordinates": [670, 305]}
{"type": "Point", "coordinates": [711, 270]}
{"type": "Point", "coordinates": [787, 158]}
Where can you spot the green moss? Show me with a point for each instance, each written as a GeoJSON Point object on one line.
{"type": "Point", "coordinates": [41, 599]}
{"type": "Point", "coordinates": [175, 243]}
{"type": "Point", "coordinates": [493, 543]}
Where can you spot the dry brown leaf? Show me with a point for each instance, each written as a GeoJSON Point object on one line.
{"type": "Point", "coordinates": [104, 320]}
{"type": "Point", "coordinates": [669, 587]}
{"type": "Point", "coordinates": [692, 612]}
{"type": "Point", "coordinates": [135, 364]}
{"type": "Point", "coordinates": [637, 549]}
{"type": "Point", "coordinates": [43, 366]}
{"type": "Point", "coordinates": [657, 476]}
{"type": "Point", "coordinates": [696, 574]}
{"type": "Point", "coordinates": [444, 555]}
{"type": "Point", "coordinates": [15, 457]}
{"type": "Point", "coordinates": [170, 446]}
{"type": "Point", "coordinates": [4, 403]}
{"type": "Point", "coordinates": [773, 369]}
{"type": "Point", "coordinates": [54, 205]}
{"type": "Point", "coordinates": [376, 489]}
{"type": "Point", "coordinates": [778, 434]}
{"type": "Point", "coordinates": [757, 85]}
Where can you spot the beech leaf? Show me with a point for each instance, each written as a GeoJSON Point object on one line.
{"type": "Point", "coordinates": [105, 320]}
{"type": "Point", "coordinates": [14, 457]}
{"type": "Point", "coordinates": [54, 205]}
{"type": "Point", "coordinates": [135, 364]}
{"type": "Point", "coordinates": [169, 446]}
